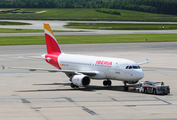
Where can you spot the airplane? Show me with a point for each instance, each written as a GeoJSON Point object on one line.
{"type": "Point", "coordinates": [81, 68]}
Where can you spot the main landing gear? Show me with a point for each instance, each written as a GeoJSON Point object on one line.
{"type": "Point", "coordinates": [107, 82]}
{"type": "Point", "coordinates": [74, 86]}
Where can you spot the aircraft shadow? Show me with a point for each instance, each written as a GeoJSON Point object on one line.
{"type": "Point", "coordinates": [90, 88]}
{"type": "Point", "coordinates": [65, 84]}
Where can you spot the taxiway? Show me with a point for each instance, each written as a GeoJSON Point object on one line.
{"type": "Point", "coordinates": [58, 25]}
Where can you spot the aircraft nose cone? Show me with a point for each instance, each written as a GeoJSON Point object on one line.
{"type": "Point", "coordinates": [140, 74]}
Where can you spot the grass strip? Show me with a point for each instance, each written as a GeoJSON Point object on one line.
{"type": "Point", "coordinates": [122, 26]}
{"type": "Point", "coordinates": [13, 23]}
{"type": "Point", "coordinates": [7, 30]}
{"type": "Point", "coordinates": [88, 39]}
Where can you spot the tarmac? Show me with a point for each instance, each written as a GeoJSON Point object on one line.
{"type": "Point", "coordinates": [42, 95]}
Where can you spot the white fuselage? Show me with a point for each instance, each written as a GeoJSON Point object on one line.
{"type": "Point", "coordinates": [106, 67]}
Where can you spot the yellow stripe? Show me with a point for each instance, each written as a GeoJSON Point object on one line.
{"type": "Point", "coordinates": [172, 95]}
{"type": "Point", "coordinates": [47, 27]}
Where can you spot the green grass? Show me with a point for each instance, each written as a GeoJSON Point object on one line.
{"type": "Point", "coordinates": [86, 14]}
{"type": "Point", "coordinates": [88, 39]}
{"type": "Point", "coordinates": [6, 30]}
{"type": "Point", "coordinates": [120, 26]}
{"type": "Point", "coordinates": [12, 23]}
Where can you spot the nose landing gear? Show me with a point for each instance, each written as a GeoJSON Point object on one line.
{"type": "Point", "coordinates": [125, 86]}
{"type": "Point", "coordinates": [107, 82]}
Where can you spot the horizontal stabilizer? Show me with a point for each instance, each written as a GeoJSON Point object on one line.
{"type": "Point", "coordinates": [3, 67]}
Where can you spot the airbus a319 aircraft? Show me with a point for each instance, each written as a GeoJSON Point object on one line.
{"type": "Point", "coordinates": [81, 68]}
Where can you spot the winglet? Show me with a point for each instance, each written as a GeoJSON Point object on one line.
{"type": "Point", "coordinates": [147, 61]}
{"type": "Point", "coordinates": [3, 67]}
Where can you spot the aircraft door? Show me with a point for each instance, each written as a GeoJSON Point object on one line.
{"type": "Point", "coordinates": [117, 68]}
{"type": "Point", "coordinates": [91, 65]}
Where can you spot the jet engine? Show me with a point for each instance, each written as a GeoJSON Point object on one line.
{"type": "Point", "coordinates": [80, 80]}
{"type": "Point", "coordinates": [131, 82]}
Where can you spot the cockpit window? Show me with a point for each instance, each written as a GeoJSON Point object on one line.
{"type": "Point", "coordinates": [127, 67]}
{"type": "Point", "coordinates": [135, 67]}
{"type": "Point", "coordinates": [130, 67]}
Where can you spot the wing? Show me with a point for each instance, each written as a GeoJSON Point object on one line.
{"type": "Point", "coordinates": [147, 61]}
{"type": "Point", "coordinates": [89, 73]}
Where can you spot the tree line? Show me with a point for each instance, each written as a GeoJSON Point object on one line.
{"type": "Point", "coordinates": [109, 11]}
{"type": "Point", "coordinates": [153, 6]}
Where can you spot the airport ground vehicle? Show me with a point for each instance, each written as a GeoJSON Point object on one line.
{"type": "Point", "coordinates": [151, 87]}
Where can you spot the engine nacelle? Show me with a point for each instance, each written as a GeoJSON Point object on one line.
{"type": "Point", "coordinates": [132, 82]}
{"type": "Point", "coordinates": [80, 80]}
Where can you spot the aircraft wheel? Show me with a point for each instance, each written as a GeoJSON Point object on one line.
{"type": "Point", "coordinates": [105, 83]}
{"type": "Point", "coordinates": [154, 92]}
{"type": "Point", "coordinates": [72, 85]}
{"type": "Point", "coordinates": [125, 88]}
{"type": "Point", "coordinates": [145, 90]}
{"type": "Point", "coordinates": [109, 83]}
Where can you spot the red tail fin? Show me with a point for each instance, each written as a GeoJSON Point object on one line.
{"type": "Point", "coordinates": [51, 42]}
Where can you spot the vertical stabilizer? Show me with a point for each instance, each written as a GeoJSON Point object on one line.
{"type": "Point", "coordinates": [51, 42]}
